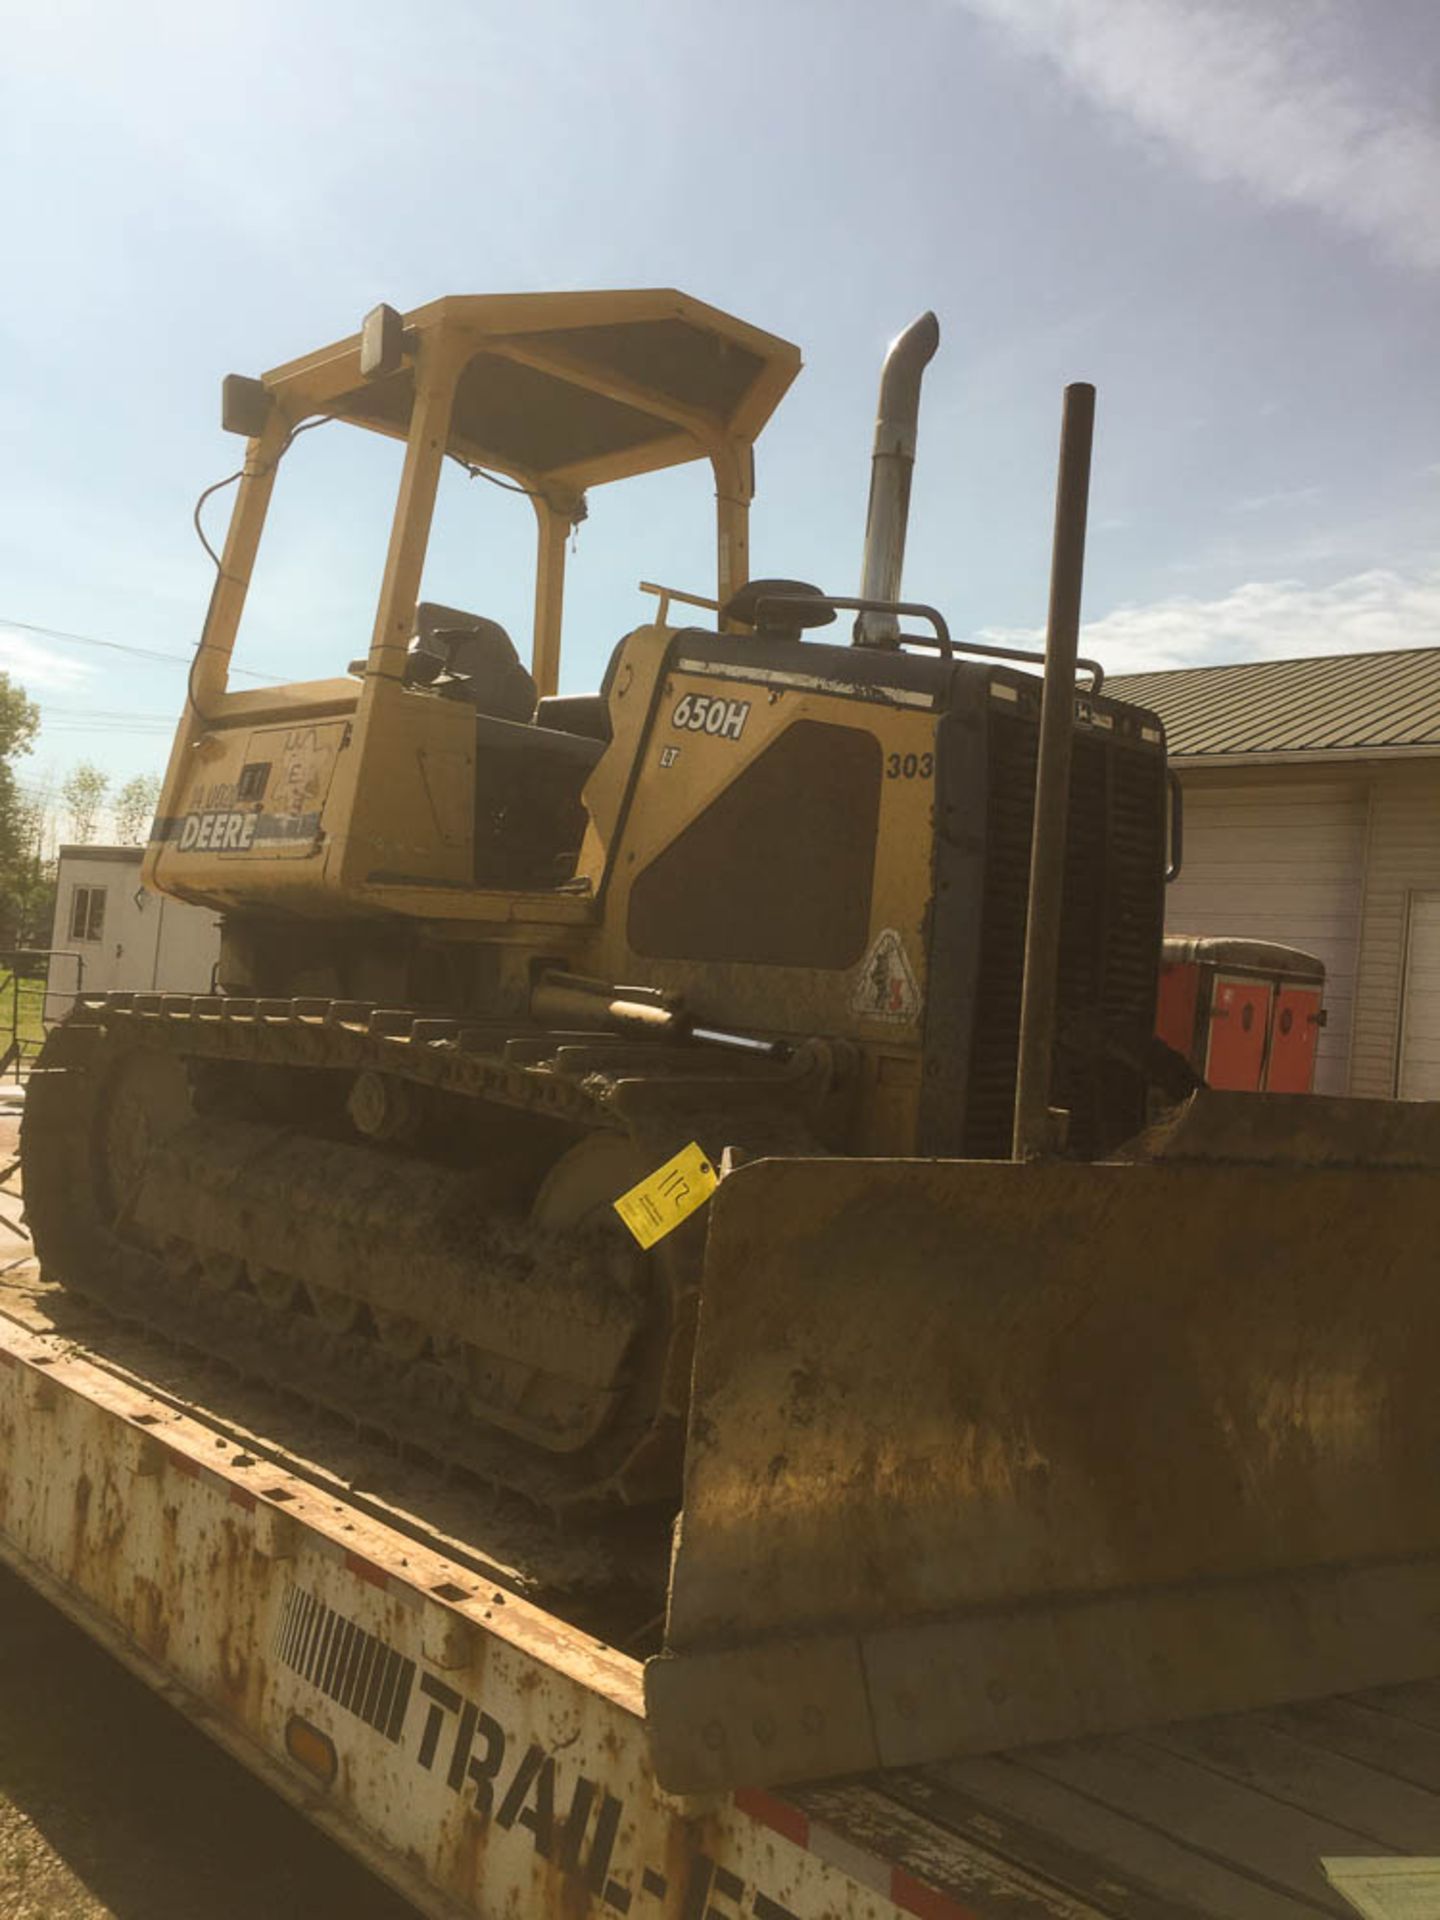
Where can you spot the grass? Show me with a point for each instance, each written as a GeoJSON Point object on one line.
{"type": "Point", "coordinates": [21, 1016]}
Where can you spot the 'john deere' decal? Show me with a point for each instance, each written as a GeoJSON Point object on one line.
{"type": "Point", "coordinates": [236, 830]}
{"type": "Point", "coordinates": [271, 804]}
{"type": "Point", "coordinates": [218, 832]}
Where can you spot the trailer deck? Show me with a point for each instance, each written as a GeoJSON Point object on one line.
{"type": "Point", "coordinates": [457, 1699]}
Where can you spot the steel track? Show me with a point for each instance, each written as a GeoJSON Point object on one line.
{"type": "Point", "coordinates": [585, 1081]}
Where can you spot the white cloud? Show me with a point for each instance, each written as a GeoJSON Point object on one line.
{"type": "Point", "coordinates": [1368, 612]}
{"type": "Point", "coordinates": [1282, 497]}
{"type": "Point", "coordinates": [1253, 94]}
{"type": "Point", "coordinates": [35, 665]}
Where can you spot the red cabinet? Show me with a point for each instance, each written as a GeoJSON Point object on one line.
{"type": "Point", "coordinates": [1294, 1036]}
{"type": "Point", "coordinates": [1246, 1014]}
{"type": "Point", "coordinates": [1239, 1030]}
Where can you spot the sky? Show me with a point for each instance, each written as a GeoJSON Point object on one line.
{"type": "Point", "coordinates": [1225, 213]}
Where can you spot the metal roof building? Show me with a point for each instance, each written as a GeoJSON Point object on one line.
{"type": "Point", "coordinates": [1349, 703]}
{"type": "Point", "coordinates": [1312, 817]}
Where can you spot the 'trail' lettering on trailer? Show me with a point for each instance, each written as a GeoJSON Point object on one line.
{"type": "Point", "coordinates": [573, 1821]}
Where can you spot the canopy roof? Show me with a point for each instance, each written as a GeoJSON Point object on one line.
{"type": "Point", "coordinates": [566, 390]}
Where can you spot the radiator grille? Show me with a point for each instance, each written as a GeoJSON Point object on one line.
{"type": "Point", "coordinates": [1111, 924]}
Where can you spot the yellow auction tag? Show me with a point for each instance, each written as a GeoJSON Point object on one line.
{"type": "Point", "coordinates": [658, 1204]}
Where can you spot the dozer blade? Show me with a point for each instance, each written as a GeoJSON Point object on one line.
{"type": "Point", "coordinates": [984, 1454]}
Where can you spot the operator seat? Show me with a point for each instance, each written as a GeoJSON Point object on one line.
{"type": "Point", "coordinates": [528, 818]}
{"type": "Point", "coordinates": [464, 656]}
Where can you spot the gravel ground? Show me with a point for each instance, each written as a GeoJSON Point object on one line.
{"type": "Point", "coordinates": [112, 1807]}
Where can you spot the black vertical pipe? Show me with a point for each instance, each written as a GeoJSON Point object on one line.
{"type": "Point", "coordinates": [1035, 1128]}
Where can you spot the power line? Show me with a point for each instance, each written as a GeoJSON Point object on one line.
{"type": "Point", "coordinates": [117, 646]}
{"type": "Point", "coordinates": [86, 715]}
{"type": "Point", "coordinates": [49, 710]}
{"type": "Point", "coordinates": [147, 729]}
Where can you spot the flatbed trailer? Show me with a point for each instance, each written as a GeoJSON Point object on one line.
{"type": "Point", "coordinates": [486, 1753]}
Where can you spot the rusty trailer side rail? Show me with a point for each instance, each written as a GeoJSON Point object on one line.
{"type": "Point", "coordinates": [475, 1751]}
{"type": "Point", "coordinates": [487, 1757]}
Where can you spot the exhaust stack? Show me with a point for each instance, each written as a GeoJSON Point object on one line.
{"type": "Point", "coordinates": [891, 466]}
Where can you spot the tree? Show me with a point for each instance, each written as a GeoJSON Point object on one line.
{"type": "Point", "coordinates": [27, 890]}
{"type": "Point", "coordinates": [19, 721]}
{"type": "Point", "coordinates": [83, 790]}
{"type": "Point", "coordinates": [135, 808]}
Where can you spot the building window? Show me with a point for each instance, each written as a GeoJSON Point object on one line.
{"type": "Point", "coordinates": [87, 913]}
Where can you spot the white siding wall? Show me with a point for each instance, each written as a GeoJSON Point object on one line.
{"type": "Point", "coordinates": [146, 941]}
{"type": "Point", "coordinates": [1277, 854]}
{"type": "Point", "coordinates": [1404, 861]}
{"type": "Point", "coordinates": [1420, 1023]}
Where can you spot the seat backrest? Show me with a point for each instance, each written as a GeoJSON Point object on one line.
{"type": "Point", "coordinates": [481, 664]}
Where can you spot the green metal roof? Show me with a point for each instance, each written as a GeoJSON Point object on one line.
{"type": "Point", "coordinates": [1333, 703]}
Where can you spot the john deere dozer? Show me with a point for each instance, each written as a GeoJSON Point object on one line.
{"type": "Point", "coordinates": [998, 1397]}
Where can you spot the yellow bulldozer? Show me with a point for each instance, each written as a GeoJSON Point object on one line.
{"type": "Point", "coordinates": [998, 1392]}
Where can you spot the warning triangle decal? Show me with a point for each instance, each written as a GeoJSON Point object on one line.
{"type": "Point", "coordinates": [885, 986]}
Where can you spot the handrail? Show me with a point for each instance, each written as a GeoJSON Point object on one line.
{"type": "Point", "coordinates": [859, 603]}
{"type": "Point", "coordinates": [947, 646]}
